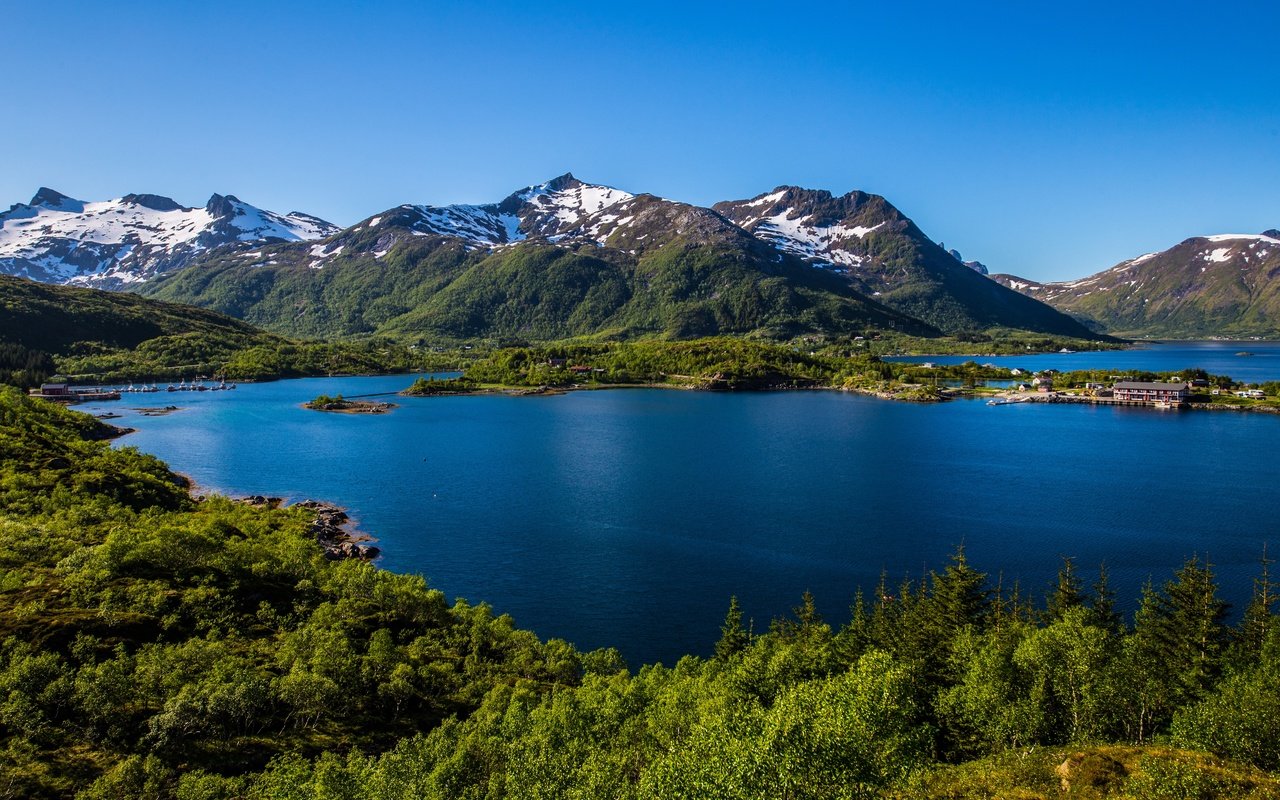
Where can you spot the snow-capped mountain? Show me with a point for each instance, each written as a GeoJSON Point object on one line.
{"type": "Point", "coordinates": [547, 211]}
{"type": "Point", "coordinates": [114, 243]}
{"type": "Point", "coordinates": [1225, 284]}
{"type": "Point", "coordinates": [883, 253]}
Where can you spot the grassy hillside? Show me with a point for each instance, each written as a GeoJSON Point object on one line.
{"type": "Point", "coordinates": [60, 319]}
{"type": "Point", "coordinates": [434, 288]}
{"type": "Point", "coordinates": [98, 336]}
{"type": "Point", "coordinates": [1197, 289]}
{"type": "Point", "coordinates": [157, 646]}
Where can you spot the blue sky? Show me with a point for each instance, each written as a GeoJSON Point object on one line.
{"type": "Point", "coordinates": [1048, 140]}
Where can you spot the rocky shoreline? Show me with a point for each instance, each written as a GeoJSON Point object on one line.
{"type": "Point", "coordinates": [331, 526]}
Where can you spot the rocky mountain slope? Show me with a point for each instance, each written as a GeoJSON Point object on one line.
{"type": "Point", "coordinates": [1221, 285]}
{"type": "Point", "coordinates": [118, 243]}
{"type": "Point", "coordinates": [882, 253]}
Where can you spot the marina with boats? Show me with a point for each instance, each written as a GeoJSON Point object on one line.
{"type": "Point", "coordinates": [66, 393]}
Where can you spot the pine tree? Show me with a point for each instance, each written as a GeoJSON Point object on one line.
{"type": "Point", "coordinates": [959, 597]}
{"type": "Point", "coordinates": [807, 612]}
{"type": "Point", "coordinates": [1067, 594]}
{"type": "Point", "coordinates": [1175, 652]}
{"type": "Point", "coordinates": [1102, 611]}
{"type": "Point", "coordinates": [1192, 628]}
{"type": "Point", "coordinates": [958, 601]}
{"type": "Point", "coordinates": [1147, 682]}
{"type": "Point", "coordinates": [1259, 618]}
{"type": "Point", "coordinates": [855, 637]}
{"type": "Point", "coordinates": [733, 637]}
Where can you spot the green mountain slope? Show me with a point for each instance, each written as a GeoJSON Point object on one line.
{"type": "Point", "coordinates": [63, 319]}
{"type": "Point", "coordinates": [692, 274]}
{"type": "Point", "coordinates": [104, 335]}
{"type": "Point", "coordinates": [1227, 285]}
{"type": "Point", "coordinates": [92, 336]}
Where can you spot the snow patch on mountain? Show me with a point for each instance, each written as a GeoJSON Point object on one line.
{"type": "Point", "coordinates": [550, 211]}
{"type": "Point", "coordinates": [800, 236]}
{"type": "Point", "coordinates": [479, 226]}
{"type": "Point", "coordinates": [1257, 237]}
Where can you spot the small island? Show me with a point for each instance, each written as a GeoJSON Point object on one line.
{"type": "Point", "coordinates": [343, 406]}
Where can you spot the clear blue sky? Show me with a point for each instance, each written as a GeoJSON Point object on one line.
{"type": "Point", "coordinates": [1045, 139]}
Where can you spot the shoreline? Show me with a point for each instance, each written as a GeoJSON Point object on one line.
{"type": "Point", "coordinates": [336, 531]}
{"type": "Point", "coordinates": [945, 395]}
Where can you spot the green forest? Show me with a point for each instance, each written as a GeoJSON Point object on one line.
{"type": "Point", "coordinates": [154, 644]}
{"type": "Point", "coordinates": [93, 337]}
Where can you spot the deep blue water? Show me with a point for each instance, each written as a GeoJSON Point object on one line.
{"type": "Point", "coordinates": [628, 517]}
{"type": "Point", "coordinates": [1219, 358]}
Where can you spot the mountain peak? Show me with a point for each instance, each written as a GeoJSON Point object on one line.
{"type": "Point", "coordinates": [48, 197]}
{"type": "Point", "coordinates": [221, 205]}
{"type": "Point", "coordinates": [562, 182]}
{"type": "Point", "coordinates": [1273, 233]}
{"type": "Point", "coordinates": [154, 202]}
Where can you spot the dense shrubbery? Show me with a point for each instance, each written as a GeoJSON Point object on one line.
{"type": "Point", "coordinates": [723, 362]}
{"type": "Point", "coordinates": [154, 645]}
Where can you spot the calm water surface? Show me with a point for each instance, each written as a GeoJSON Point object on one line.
{"type": "Point", "coordinates": [628, 517]}
{"type": "Point", "coordinates": [1218, 358]}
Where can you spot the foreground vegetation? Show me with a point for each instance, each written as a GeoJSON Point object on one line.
{"type": "Point", "coordinates": [153, 645]}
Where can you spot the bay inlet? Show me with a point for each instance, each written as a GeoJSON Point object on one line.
{"type": "Point", "coordinates": [628, 517]}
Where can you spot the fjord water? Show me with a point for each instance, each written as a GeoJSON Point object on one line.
{"type": "Point", "coordinates": [628, 517]}
{"type": "Point", "coordinates": [1251, 362]}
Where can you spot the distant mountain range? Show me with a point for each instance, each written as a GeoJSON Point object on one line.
{"type": "Point", "coordinates": [563, 258]}
{"type": "Point", "coordinates": [116, 243]}
{"type": "Point", "coordinates": [1221, 285]}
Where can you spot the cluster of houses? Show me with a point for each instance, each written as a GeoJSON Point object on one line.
{"type": "Point", "coordinates": [576, 369]}
{"type": "Point", "coordinates": [1154, 392]}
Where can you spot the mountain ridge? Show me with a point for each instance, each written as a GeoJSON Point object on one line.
{"type": "Point", "coordinates": [115, 243]}
{"type": "Point", "coordinates": [1214, 285]}
{"type": "Point", "coordinates": [886, 255]}
{"type": "Point", "coordinates": [883, 259]}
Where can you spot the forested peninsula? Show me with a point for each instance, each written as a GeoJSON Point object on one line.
{"type": "Point", "coordinates": [159, 645]}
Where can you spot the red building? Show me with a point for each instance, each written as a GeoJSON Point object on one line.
{"type": "Point", "coordinates": [1151, 392]}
